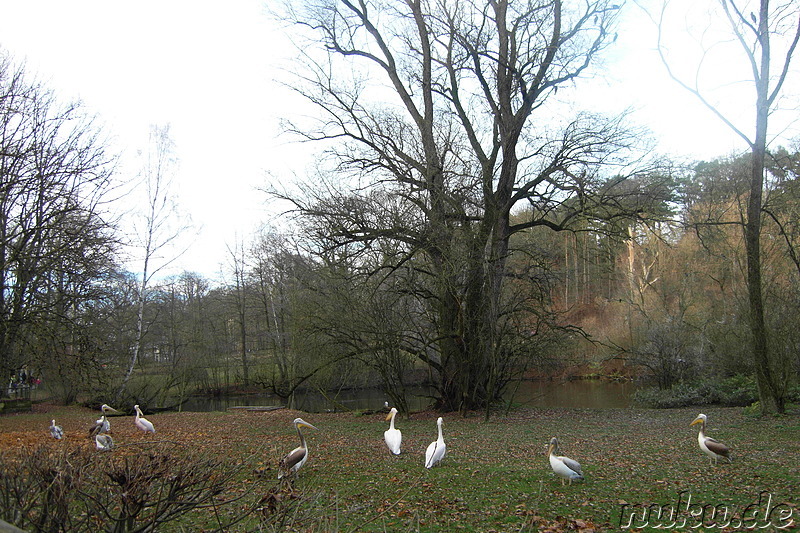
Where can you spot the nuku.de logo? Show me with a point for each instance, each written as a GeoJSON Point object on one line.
{"type": "Point", "coordinates": [758, 514]}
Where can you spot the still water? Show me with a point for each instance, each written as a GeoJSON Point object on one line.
{"type": "Point", "coordinates": [545, 394]}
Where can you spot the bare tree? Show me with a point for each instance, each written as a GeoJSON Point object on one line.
{"type": "Point", "coordinates": [272, 277]}
{"type": "Point", "coordinates": [239, 293]}
{"type": "Point", "coordinates": [56, 238]}
{"type": "Point", "coordinates": [756, 28]}
{"type": "Point", "coordinates": [438, 167]}
{"type": "Point", "coordinates": [157, 227]}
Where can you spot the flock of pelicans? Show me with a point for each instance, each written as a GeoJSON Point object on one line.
{"type": "Point", "coordinates": [295, 459]}
{"type": "Point", "coordinates": [565, 468]}
{"type": "Point", "coordinates": [99, 430]}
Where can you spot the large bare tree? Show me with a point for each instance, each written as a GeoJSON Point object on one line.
{"type": "Point", "coordinates": [442, 117]}
{"type": "Point", "coordinates": [56, 239]}
{"type": "Point", "coordinates": [755, 28]}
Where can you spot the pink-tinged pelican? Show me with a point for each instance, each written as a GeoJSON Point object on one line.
{"type": "Point", "coordinates": [56, 431]}
{"type": "Point", "coordinates": [436, 449]}
{"type": "Point", "coordinates": [141, 422]}
{"type": "Point", "coordinates": [103, 442]}
{"type": "Point", "coordinates": [102, 425]}
{"type": "Point", "coordinates": [712, 447]}
{"type": "Point", "coordinates": [564, 467]}
{"type": "Point", "coordinates": [392, 436]}
{"type": "Point", "coordinates": [295, 459]}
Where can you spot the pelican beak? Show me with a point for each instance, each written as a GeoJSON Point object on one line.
{"type": "Point", "coordinates": [389, 416]}
{"type": "Point", "coordinates": [306, 424]}
{"type": "Point", "coordinates": [111, 410]}
{"type": "Point", "coordinates": [697, 420]}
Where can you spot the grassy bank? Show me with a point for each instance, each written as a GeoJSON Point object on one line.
{"type": "Point", "coordinates": [496, 476]}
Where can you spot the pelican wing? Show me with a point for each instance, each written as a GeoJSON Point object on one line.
{"type": "Point", "coordinates": [103, 442]}
{"type": "Point", "coordinates": [56, 432]}
{"type": "Point", "coordinates": [717, 447]}
{"type": "Point", "coordinates": [572, 464]}
{"type": "Point", "coordinates": [393, 439]}
{"type": "Point", "coordinates": [96, 428]}
{"type": "Point", "coordinates": [292, 459]}
{"type": "Point", "coordinates": [145, 425]}
{"type": "Point", "coordinates": [103, 424]}
{"type": "Point", "coordinates": [434, 453]}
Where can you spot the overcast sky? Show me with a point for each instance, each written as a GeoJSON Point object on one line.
{"type": "Point", "coordinates": [211, 71]}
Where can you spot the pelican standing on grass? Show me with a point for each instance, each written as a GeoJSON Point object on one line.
{"type": "Point", "coordinates": [56, 431]}
{"type": "Point", "coordinates": [436, 449]}
{"type": "Point", "coordinates": [295, 459]}
{"type": "Point", "coordinates": [712, 447]}
{"type": "Point", "coordinates": [392, 436]}
{"type": "Point", "coordinates": [102, 425]}
{"type": "Point", "coordinates": [141, 422]}
{"type": "Point", "coordinates": [564, 467]}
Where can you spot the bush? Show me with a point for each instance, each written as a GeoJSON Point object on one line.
{"type": "Point", "coordinates": [81, 489]}
{"type": "Point", "coordinates": [738, 391]}
{"type": "Point", "coordinates": [735, 391]}
{"type": "Point", "coordinates": [679, 395]}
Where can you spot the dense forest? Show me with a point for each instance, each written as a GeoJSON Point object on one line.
{"type": "Point", "coordinates": [450, 240]}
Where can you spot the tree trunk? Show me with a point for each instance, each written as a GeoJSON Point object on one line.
{"type": "Point", "coordinates": [769, 389]}
{"type": "Point", "coordinates": [137, 344]}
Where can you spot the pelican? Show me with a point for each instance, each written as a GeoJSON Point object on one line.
{"type": "Point", "coordinates": [436, 449]}
{"type": "Point", "coordinates": [564, 467]}
{"type": "Point", "coordinates": [102, 425]}
{"type": "Point", "coordinates": [712, 447]}
{"type": "Point", "coordinates": [141, 422]}
{"type": "Point", "coordinates": [103, 442]}
{"type": "Point", "coordinates": [295, 459]}
{"type": "Point", "coordinates": [392, 436]}
{"type": "Point", "coordinates": [56, 431]}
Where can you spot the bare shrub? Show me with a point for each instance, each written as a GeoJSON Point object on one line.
{"type": "Point", "coordinates": [80, 489]}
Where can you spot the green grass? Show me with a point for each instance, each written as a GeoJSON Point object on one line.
{"type": "Point", "coordinates": [496, 476]}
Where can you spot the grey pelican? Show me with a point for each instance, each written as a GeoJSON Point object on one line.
{"type": "Point", "coordinates": [712, 447]}
{"type": "Point", "coordinates": [564, 467]}
{"type": "Point", "coordinates": [102, 425]}
{"type": "Point", "coordinates": [295, 459]}
{"type": "Point", "coordinates": [103, 442]}
{"type": "Point", "coordinates": [56, 431]}
{"type": "Point", "coordinates": [392, 436]}
{"type": "Point", "coordinates": [436, 449]}
{"type": "Point", "coordinates": [141, 422]}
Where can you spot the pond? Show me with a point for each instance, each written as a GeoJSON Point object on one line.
{"type": "Point", "coordinates": [544, 394]}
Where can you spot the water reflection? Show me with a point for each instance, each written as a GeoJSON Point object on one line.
{"type": "Point", "coordinates": [546, 394]}
{"type": "Point", "coordinates": [582, 393]}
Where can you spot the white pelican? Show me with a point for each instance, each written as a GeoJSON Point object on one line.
{"type": "Point", "coordinates": [141, 422]}
{"type": "Point", "coordinates": [102, 425]}
{"type": "Point", "coordinates": [564, 467]}
{"type": "Point", "coordinates": [295, 459]}
{"type": "Point", "coordinates": [56, 431]}
{"type": "Point", "coordinates": [103, 442]}
{"type": "Point", "coordinates": [392, 436]}
{"type": "Point", "coordinates": [436, 449]}
{"type": "Point", "coordinates": [712, 447]}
